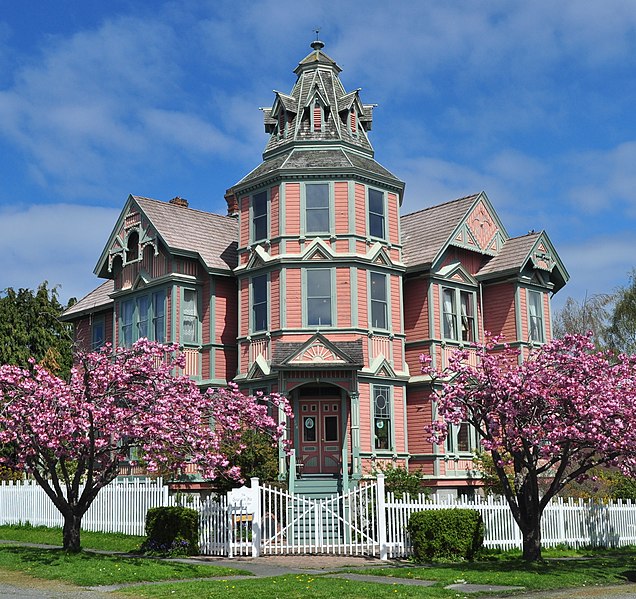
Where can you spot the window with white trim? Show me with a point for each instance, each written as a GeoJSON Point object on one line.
{"type": "Point", "coordinates": [259, 216]}
{"type": "Point", "coordinates": [189, 317]}
{"type": "Point", "coordinates": [535, 316]}
{"type": "Point", "coordinates": [461, 438]}
{"type": "Point", "coordinates": [382, 417]}
{"type": "Point", "coordinates": [259, 303]}
{"type": "Point", "coordinates": [458, 314]}
{"type": "Point", "coordinates": [318, 299]}
{"type": "Point", "coordinates": [159, 316]}
{"type": "Point", "coordinates": [317, 208]}
{"type": "Point", "coordinates": [377, 219]}
{"type": "Point", "coordinates": [127, 313]}
{"type": "Point", "coordinates": [379, 303]}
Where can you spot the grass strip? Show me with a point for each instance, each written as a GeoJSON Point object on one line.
{"type": "Point", "coordinates": [90, 569]}
{"type": "Point", "coordinates": [544, 575]}
{"type": "Point", "coordinates": [104, 541]}
{"type": "Point", "coordinates": [291, 586]}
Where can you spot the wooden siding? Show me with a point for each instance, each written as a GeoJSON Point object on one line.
{"type": "Point", "coordinates": [471, 261]}
{"type": "Point", "coordinates": [398, 419]}
{"type": "Point", "coordinates": [364, 390]}
{"type": "Point", "coordinates": [343, 297]}
{"type": "Point", "coordinates": [393, 218]}
{"type": "Point", "coordinates": [416, 309]}
{"type": "Point", "coordinates": [499, 310]}
{"type": "Point", "coordinates": [396, 307]}
{"type": "Point", "coordinates": [292, 208]}
{"type": "Point", "coordinates": [341, 202]}
{"type": "Point", "coordinates": [361, 210]}
{"type": "Point", "coordinates": [363, 308]}
{"type": "Point", "coordinates": [206, 314]}
{"type": "Point", "coordinates": [275, 300]}
{"type": "Point", "coordinates": [226, 319]}
{"type": "Point", "coordinates": [523, 314]}
{"type": "Point", "coordinates": [293, 291]}
{"type": "Point", "coordinates": [244, 306]}
{"type": "Point", "coordinates": [274, 204]}
{"type": "Point", "coordinates": [244, 222]}
{"type": "Point", "coordinates": [419, 415]}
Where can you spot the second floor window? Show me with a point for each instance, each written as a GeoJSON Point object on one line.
{"type": "Point", "coordinates": [189, 317]}
{"type": "Point", "coordinates": [259, 303]}
{"type": "Point", "coordinates": [143, 317]}
{"type": "Point", "coordinates": [98, 333]}
{"type": "Point", "coordinates": [259, 216]}
{"type": "Point", "coordinates": [376, 213]}
{"type": "Point", "coordinates": [317, 207]}
{"type": "Point", "coordinates": [319, 296]}
{"type": "Point", "coordinates": [458, 314]}
{"type": "Point", "coordinates": [461, 438]}
{"type": "Point", "coordinates": [379, 306]}
{"type": "Point", "coordinates": [535, 317]}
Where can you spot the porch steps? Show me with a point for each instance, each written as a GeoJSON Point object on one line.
{"type": "Point", "coordinates": [304, 533]}
{"type": "Point", "coordinates": [317, 487]}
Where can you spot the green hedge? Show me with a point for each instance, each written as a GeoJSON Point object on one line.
{"type": "Point", "coordinates": [446, 534]}
{"type": "Point", "coordinates": [172, 531]}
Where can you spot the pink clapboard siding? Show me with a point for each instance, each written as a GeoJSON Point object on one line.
{"type": "Point", "coordinates": [393, 215]}
{"type": "Point", "coordinates": [499, 310]}
{"type": "Point", "coordinates": [293, 293]}
{"type": "Point", "coordinates": [244, 302]}
{"type": "Point", "coordinates": [292, 208]}
{"type": "Point", "coordinates": [343, 297]}
{"type": "Point", "coordinates": [274, 225]}
{"type": "Point", "coordinates": [341, 198]}
{"type": "Point", "coordinates": [244, 222]}
{"type": "Point", "coordinates": [361, 210]}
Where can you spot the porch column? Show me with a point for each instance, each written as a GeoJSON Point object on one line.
{"type": "Point", "coordinates": [356, 469]}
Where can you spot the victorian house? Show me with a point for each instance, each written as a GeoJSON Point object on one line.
{"type": "Point", "coordinates": [314, 286]}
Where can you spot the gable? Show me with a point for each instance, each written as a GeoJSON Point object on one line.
{"type": "Point", "coordinates": [480, 230]}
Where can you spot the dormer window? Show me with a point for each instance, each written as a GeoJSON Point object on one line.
{"type": "Point", "coordinates": [317, 116]}
{"type": "Point", "coordinates": [353, 122]}
{"type": "Point", "coordinates": [132, 247]}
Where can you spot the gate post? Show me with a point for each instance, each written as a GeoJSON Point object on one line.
{"type": "Point", "coordinates": [256, 517]}
{"type": "Point", "coordinates": [381, 516]}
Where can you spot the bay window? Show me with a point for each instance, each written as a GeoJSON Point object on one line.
{"type": "Point", "coordinates": [535, 317]}
{"type": "Point", "coordinates": [259, 303]}
{"type": "Point", "coordinates": [379, 304]}
{"type": "Point", "coordinates": [189, 317]}
{"type": "Point", "coordinates": [382, 417]}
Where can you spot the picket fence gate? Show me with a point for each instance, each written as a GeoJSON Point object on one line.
{"type": "Point", "coordinates": [265, 520]}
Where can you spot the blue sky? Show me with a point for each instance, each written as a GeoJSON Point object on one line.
{"type": "Point", "coordinates": [532, 102]}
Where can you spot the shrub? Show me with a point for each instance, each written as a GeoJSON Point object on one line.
{"type": "Point", "coordinates": [446, 534]}
{"type": "Point", "coordinates": [399, 481]}
{"type": "Point", "coordinates": [171, 531]}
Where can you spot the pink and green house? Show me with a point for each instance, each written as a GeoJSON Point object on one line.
{"type": "Point", "coordinates": [314, 286]}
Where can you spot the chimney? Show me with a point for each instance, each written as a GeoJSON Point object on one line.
{"type": "Point", "coordinates": [177, 201]}
{"type": "Point", "coordinates": [232, 203]}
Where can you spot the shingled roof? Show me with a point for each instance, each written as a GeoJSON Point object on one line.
{"type": "Point", "coordinates": [512, 256]}
{"type": "Point", "coordinates": [212, 236]}
{"type": "Point", "coordinates": [425, 232]}
{"type": "Point", "coordinates": [98, 298]}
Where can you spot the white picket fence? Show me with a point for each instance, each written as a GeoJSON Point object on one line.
{"type": "Point", "coordinates": [260, 519]}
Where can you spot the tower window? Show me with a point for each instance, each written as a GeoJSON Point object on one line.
{"type": "Point", "coordinates": [379, 309]}
{"type": "Point", "coordinates": [259, 216]}
{"type": "Point", "coordinates": [376, 213]}
{"type": "Point", "coordinates": [259, 303]}
{"type": "Point", "coordinates": [319, 296]}
{"type": "Point", "coordinates": [317, 207]}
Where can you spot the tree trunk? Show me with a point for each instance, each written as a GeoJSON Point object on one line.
{"type": "Point", "coordinates": [532, 541]}
{"type": "Point", "coordinates": [71, 532]}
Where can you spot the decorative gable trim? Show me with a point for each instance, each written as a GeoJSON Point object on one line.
{"type": "Point", "coordinates": [542, 256]}
{"type": "Point", "coordinates": [380, 367]}
{"type": "Point", "coordinates": [317, 350]}
{"type": "Point", "coordinates": [480, 230]}
{"type": "Point", "coordinates": [317, 250]}
{"type": "Point", "coordinates": [259, 368]}
{"type": "Point", "coordinates": [456, 272]}
{"type": "Point", "coordinates": [377, 254]}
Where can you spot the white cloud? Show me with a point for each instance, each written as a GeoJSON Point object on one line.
{"type": "Point", "coordinates": [58, 242]}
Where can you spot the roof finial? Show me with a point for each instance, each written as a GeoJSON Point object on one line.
{"type": "Point", "coordinates": [317, 44]}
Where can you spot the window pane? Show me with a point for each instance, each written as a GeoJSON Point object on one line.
{"type": "Point", "coordinates": [449, 317]}
{"type": "Point", "coordinates": [319, 297]}
{"type": "Point", "coordinates": [190, 321]}
{"type": "Point", "coordinates": [463, 437]}
{"type": "Point", "coordinates": [126, 323]}
{"type": "Point", "coordinates": [331, 428]}
{"type": "Point", "coordinates": [467, 318]}
{"type": "Point", "coordinates": [535, 310]}
{"type": "Point", "coordinates": [378, 301]}
{"type": "Point", "coordinates": [142, 317]}
{"type": "Point", "coordinates": [317, 207]}
{"type": "Point", "coordinates": [309, 428]}
{"type": "Point", "coordinates": [159, 316]}
{"type": "Point", "coordinates": [259, 305]}
{"type": "Point", "coordinates": [97, 334]}
{"type": "Point", "coordinates": [376, 213]}
{"type": "Point", "coordinates": [259, 215]}
{"type": "Point", "coordinates": [382, 417]}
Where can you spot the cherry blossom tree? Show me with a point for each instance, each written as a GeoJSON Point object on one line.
{"type": "Point", "coordinates": [72, 436]}
{"type": "Point", "coordinates": [565, 409]}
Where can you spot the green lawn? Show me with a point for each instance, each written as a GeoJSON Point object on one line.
{"type": "Point", "coordinates": [104, 541]}
{"type": "Point", "coordinates": [92, 569]}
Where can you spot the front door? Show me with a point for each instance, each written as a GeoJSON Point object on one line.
{"type": "Point", "coordinates": [319, 436]}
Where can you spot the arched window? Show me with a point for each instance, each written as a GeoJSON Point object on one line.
{"type": "Point", "coordinates": [132, 247]}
